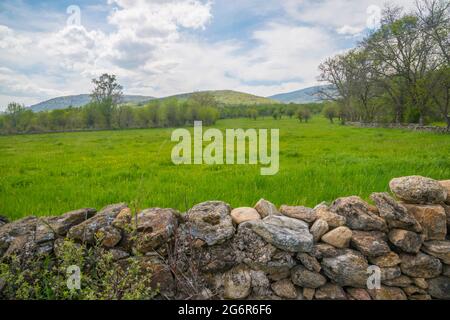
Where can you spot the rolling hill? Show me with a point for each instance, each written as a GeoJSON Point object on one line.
{"type": "Point", "coordinates": [80, 100]}
{"type": "Point", "coordinates": [225, 97]}
{"type": "Point", "coordinates": [307, 95]}
{"type": "Point", "coordinates": [229, 97]}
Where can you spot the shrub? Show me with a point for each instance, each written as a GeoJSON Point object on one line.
{"type": "Point", "coordinates": [102, 278]}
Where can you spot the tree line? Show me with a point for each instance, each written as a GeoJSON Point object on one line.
{"type": "Point", "coordinates": [100, 115]}
{"type": "Point", "coordinates": [398, 73]}
{"type": "Point", "coordinates": [106, 112]}
{"type": "Point", "coordinates": [155, 114]}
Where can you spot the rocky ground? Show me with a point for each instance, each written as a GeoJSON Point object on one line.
{"type": "Point", "coordinates": [216, 252]}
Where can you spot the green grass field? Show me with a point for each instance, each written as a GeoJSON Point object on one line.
{"type": "Point", "coordinates": [50, 174]}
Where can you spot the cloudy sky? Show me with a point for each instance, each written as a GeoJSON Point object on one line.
{"type": "Point", "coordinates": [164, 47]}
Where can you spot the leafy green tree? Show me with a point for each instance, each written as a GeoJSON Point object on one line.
{"type": "Point", "coordinates": [276, 115]}
{"type": "Point", "coordinates": [330, 112]}
{"type": "Point", "coordinates": [107, 94]}
{"type": "Point", "coordinates": [290, 112]}
{"type": "Point", "coordinates": [253, 113]}
{"type": "Point", "coordinates": [303, 114]}
{"type": "Point", "coordinates": [14, 111]}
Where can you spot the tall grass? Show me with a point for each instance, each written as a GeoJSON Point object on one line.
{"type": "Point", "coordinates": [50, 174]}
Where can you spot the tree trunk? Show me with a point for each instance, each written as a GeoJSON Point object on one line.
{"type": "Point", "coordinates": [421, 120]}
{"type": "Point", "coordinates": [399, 115]}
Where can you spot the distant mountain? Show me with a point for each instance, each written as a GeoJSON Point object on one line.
{"type": "Point", "coordinates": [229, 97]}
{"type": "Point", "coordinates": [80, 100]}
{"type": "Point", "coordinates": [225, 97]}
{"type": "Point", "coordinates": [308, 95]}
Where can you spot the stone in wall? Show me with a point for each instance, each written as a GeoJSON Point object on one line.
{"type": "Point", "coordinates": [100, 225]}
{"type": "Point", "coordinates": [432, 218]}
{"type": "Point", "coordinates": [358, 215]}
{"type": "Point", "coordinates": [405, 240]}
{"type": "Point", "coordinates": [154, 228]}
{"type": "Point", "coordinates": [438, 249]}
{"type": "Point", "coordinates": [332, 219]}
{"type": "Point", "coordinates": [266, 208]}
{"type": "Point", "coordinates": [211, 222]}
{"type": "Point", "coordinates": [446, 185]}
{"type": "Point", "coordinates": [395, 214]}
{"type": "Point", "coordinates": [418, 190]}
{"type": "Point", "coordinates": [420, 265]}
{"type": "Point", "coordinates": [318, 229]}
{"type": "Point", "coordinates": [339, 237]}
{"type": "Point", "coordinates": [285, 233]}
{"type": "Point", "coordinates": [299, 212]}
{"type": "Point", "coordinates": [241, 215]}
{"type": "Point", "coordinates": [347, 269]}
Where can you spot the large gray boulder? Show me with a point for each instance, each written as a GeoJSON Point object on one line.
{"type": "Point", "coordinates": [285, 233]}
{"type": "Point", "coordinates": [211, 222]}
{"type": "Point", "coordinates": [418, 189]}
{"type": "Point", "coordinates": [420, 265]}
{"type": "Point", "coordinates": [348, 269]}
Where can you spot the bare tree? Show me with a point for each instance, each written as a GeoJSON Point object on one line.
{"type": "Point", "coordinates": [435, 19]}
{"type": "Point", "coordinates": [401, 49]}
{"type": "Point", "coordinates": [335, 71]}
{"type": "Point", "coordinates": [353, 77]}
{"type": "Point", "coordinates": [363, 83]}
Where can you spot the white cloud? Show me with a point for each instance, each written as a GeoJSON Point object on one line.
{"type": "Point", "coordinates": [349, 30]}
{"type": "Point", "coordinates": [75, 48]}
{"type": "Point", "coordinates": [287, 52]}
{"type": "Point", "coordinates": [10, 40]}
{"type": "Point", "coordinates": [16, 84]}
{"type": "Point", "coordinates": [344, 16]}
{"type": "Point", "coordinates": [160, 15]}
{"type": "Point", "coordinates": [284, 58]}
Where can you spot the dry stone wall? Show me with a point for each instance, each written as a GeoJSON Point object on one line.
{"type": "Point", "coordinates": [292, 252]}
{"type": "Point", "coordinates": [411, 126]}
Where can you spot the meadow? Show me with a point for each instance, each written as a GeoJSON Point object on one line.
{"type": "Point", "coordinates": [49, 174]}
